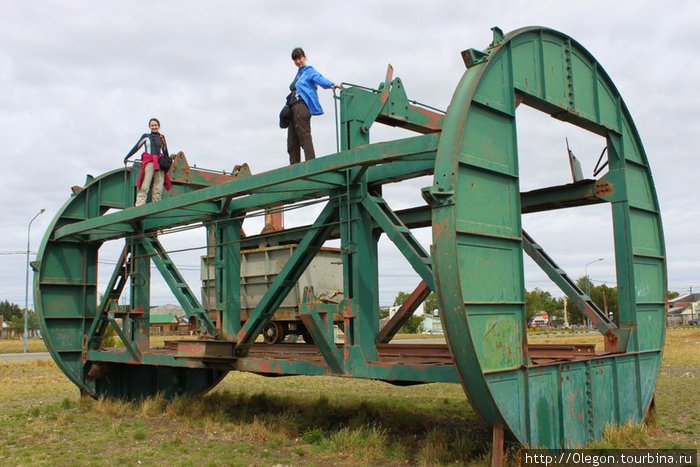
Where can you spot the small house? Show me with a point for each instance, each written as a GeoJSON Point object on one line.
{"type": "Point", "coordinates": [164, 324]}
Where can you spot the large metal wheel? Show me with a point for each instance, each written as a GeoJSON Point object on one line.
{"type": "Point", "coordinates": [66, 297]}
{"type": "Point", "coordinates": [478, 243]}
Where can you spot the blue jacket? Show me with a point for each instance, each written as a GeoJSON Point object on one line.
{"type": "Point", "coordinates": [307, 81]}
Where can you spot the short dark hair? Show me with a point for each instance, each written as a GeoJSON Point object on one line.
{"type": "Point", "coordinates": [154, 120]}
{"type": "Point", "coordinates": [298, 52]}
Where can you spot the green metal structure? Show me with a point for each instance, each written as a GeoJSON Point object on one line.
{"type": "Point", "coordinates": [541, 396]}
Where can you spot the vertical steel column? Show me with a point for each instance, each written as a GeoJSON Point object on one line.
{"type": "Point", "coordinates": [359, 243]}
{"type": "Point", "coordinates": [624, 253]}
{"type": "Point", "coordinates": [137, 328]}
{"type": "Point", "coordinates": [228, 275]}
{"type": "Point", "coordinates": [360, 267]}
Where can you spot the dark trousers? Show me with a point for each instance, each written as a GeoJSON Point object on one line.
{"type": "Point", "coordinates": [299, 134]}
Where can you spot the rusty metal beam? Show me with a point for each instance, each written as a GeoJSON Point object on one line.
{"type": "Point", "coordinates": [406, 310]}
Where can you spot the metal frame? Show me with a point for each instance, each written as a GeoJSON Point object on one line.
{"type": "Point", "coordinates": [542, 396]}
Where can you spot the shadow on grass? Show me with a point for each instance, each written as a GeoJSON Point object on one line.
{"type": "Point", "coordinates": [364, 430]}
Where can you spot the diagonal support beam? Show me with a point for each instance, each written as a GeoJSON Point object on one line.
{"type": "Point", "coordinates": [114, 289]}
{"type": "Point", "coordinates": [406, 310]}
{"type": "Point", "coordinates": [391, 224]}
{"type": "Point", "coordinates": [128, 344]}
{"type": "Point", "coordinates": [318, 320]}
{"type": "Point", "coordinates": [615, 338]}
{"type": "Point", "coordinates": [177, 283]}
{"type": "Point", "coordinates": [288, 276]}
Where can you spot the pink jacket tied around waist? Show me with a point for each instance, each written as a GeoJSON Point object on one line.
{"type": "Point", "coordinates": [153, 158]}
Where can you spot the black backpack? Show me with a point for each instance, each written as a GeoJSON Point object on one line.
{"type": "Point", "coordinates": [165, 162]}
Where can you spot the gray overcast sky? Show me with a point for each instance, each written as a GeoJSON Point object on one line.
{"type": "Point", "coordinates": [79, 80]}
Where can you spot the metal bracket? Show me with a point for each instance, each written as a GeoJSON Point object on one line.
{"type": "Point", "coordinates": [498, 36]}
{"type": "Point", "coordinates": [438, 198]}
{"type": "Point", "coordinates": [380, 101]}
{"type": "Point", "coordinates": [473, 57]}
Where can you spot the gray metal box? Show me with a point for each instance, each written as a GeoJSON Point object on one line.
{"type": "Point", "coordinates": [259, 267]}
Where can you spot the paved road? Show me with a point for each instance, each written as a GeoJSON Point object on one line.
{"type": "Point", "coordinates": [21, 357]}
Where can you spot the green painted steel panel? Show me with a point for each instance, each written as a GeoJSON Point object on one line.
{"type": "Point", "coordinates": [555, 77]}
{"type": "Point", "coordinates": [78, 209]}
{"type": "Point", "coordinates": [650, 283]}
{"type": "Point", "coordinates": [648, 363]}
{"type": "Point", "coordinates": [494, 272]}
{"type": "Point", "coordinates": [607, 105]}
{"type": "Point", "coordinates": [499, 330]}
{"type": "Point", "coordinates": [646, 230]}
{"type": "Point", "coordinates": [603, 395]}
{"type": "Point", "coordinates": [509, 390]}
{"type": "Point", "coordinates": [652, 321]}
{"type": "Point", "coordinates": [72, 363]}
{"type": "Point", "coordinates": [544, 408]}
{"type": "Point", "coordinates": [115, 194]}
{"type": "Point", "coordinates": [526, 66]}
{"type": "Point", "coordinates": [631, 144]}
{"type": "Point", "coordinates": [584, 86]}
{"type": "Point", "coordinates": [479, 195]}
{"type": "Point", "coordinates": [65, 264]}
{"type": "Point", "coordinates": [574, 400]}
{"type": "Point", "coordinates": [63, 301]}
{"type": "Point", "coordinates": [66, 334]}
{"type": "Point", "coordinates": [639, 186]}
{"type": "Point", "coordinates": [489, 141]}
{"type": "Point", "coordinates": [494, 93]}
{"type": "Point", "coordinates": [627, 389]}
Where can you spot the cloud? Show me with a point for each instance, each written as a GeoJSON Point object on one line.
{"type": "Point", "coordinates": [81, 79]}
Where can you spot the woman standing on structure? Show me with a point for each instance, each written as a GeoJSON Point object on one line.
{"type": "Point", "coordinates": [303, 101]}
{"type": "Point", "coordinates": [154, 146]}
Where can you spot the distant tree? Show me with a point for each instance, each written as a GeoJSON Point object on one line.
{"type": "Point", "coordinates": [671, 295]}
{"type": "Point", "coordinates": [16, 323]}
{"type": "Point", "coordinates": [401, 298]}
{"type": "Point", "coordinates": [414, 325]}
{"type": "Point", "coordinates": [603, 296]}
{"type": "Point", "coordinates": [430, 303]}
{"type": "Point", "coordinates": [9, 310]}
{"type": "Point", "coordinates": [538, 300]}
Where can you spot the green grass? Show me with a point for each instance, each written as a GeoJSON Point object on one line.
{"type": "Point", "coordinates": [252, 420]}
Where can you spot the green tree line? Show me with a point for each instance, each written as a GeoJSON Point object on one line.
{"type": "Point", "coordinates": [13, 315]}
{"type": "Point", "coordinates": [538, 301]}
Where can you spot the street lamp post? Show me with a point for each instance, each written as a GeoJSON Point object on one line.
{"type": "Point", "coordinates": [26, 283]}
{"type": "Point", "coordinates": [588, 282]}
